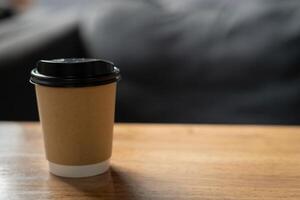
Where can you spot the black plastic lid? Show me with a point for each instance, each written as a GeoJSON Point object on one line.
{"type": "Point", "coordinates": [74, 72]}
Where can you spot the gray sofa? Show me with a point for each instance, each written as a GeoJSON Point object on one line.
{"type": "Point", "coordinates": [208, 61]}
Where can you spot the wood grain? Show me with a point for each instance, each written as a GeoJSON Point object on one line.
{"type": "Point", "coordinates": [162, 162]}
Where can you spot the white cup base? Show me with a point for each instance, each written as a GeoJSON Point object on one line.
{"type": "Point", "coordinates": [78, 171]}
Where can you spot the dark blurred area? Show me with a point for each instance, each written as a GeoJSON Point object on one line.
{"type": "Point", "coordinates": [194, 61]}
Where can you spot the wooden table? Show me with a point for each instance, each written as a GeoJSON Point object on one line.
{"type": "Point", "coordinates": [162, 162]}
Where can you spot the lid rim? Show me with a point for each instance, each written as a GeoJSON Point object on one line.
{"type": "Point", "coordinates": [61, 82]}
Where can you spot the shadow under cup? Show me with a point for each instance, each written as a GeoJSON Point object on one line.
{"type": "Point", "coordinates": [76, 103]}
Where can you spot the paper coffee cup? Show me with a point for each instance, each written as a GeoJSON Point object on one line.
{"type": "Point", "coordinates": [76, 102]}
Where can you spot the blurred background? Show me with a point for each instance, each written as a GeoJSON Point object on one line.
{"type": "Point", "coordinates": [192, 61]}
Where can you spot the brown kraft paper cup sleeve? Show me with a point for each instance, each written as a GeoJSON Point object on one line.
{"type": "Point", "coordinates": [77, 123]}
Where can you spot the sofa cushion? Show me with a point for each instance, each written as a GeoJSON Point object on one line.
{"type": "Point", "coordinates": [208, 61]}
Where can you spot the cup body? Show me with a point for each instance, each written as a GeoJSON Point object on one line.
{"type": "Point", "coordinates": [77, 124]}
